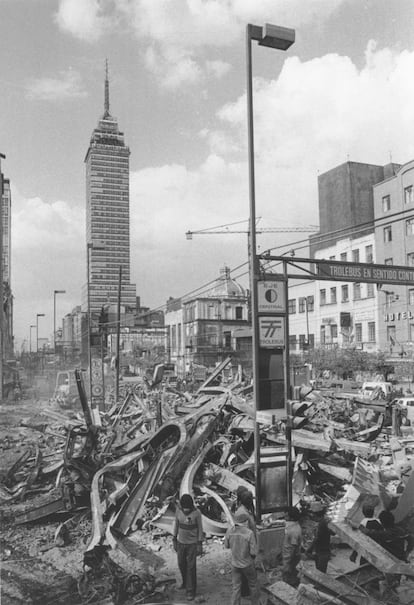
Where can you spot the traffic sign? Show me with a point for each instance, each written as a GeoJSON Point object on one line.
{"type": "Point", "coordinates": [271, 332]}
{"type": "Point", "coordinates": [271, 296]}
{"type": "Point", "coordinates": [97, 390]}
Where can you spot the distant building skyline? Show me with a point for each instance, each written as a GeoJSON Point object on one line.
{"type": "Point", "coordinates": [107, 213]}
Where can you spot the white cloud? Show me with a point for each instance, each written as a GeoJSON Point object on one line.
{"type": "Point", "coordinates": [47, 250]}
{"type": "Point", "coordinates": [176, 33]}
{"type": "Point", "coordinates": [67, 86]}
{"type": "Point", "coordinates": [317, 115]}
{"type": "Point", "coordinates": [218, 68]}
{"type": "Point", "coordinates": [84, 19]}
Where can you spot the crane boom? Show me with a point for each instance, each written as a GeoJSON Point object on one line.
{"type": "Point", "coordinates": [223, 230]}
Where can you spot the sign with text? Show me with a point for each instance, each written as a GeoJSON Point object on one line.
{"type": "Point", "coordinates": [364, 272]}
{"type": "Point", "coordinates": [271, 296]}
{"type": "Point", "coordinates": [271, 332]}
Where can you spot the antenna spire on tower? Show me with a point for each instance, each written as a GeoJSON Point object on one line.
{"type": "Point", "coordinates": [106, 104]}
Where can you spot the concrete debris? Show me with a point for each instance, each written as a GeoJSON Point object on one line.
{"type": "Point", "coordinates": [126, 467]}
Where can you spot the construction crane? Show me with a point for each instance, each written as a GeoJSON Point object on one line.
{"type": "Point", "coordinates": [222, 229]}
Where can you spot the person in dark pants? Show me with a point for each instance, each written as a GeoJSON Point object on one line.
{"type": "Point", "coordinates": [245, 505]}
{"type": "Point", "coordinates": [242, 543]}
{"type": "Point", "coordinates": [292, 544]}
{"type": "Point", "coordinates": [188, 543]}
{"type": "Point", "coordinates": [321, 544]}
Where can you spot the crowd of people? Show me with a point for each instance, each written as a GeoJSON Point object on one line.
{"type": "Point", "coordinates": [241, 539]}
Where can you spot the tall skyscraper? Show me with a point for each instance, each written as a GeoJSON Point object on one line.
{"type": "Point", "coordinates": [6, 217]}
{"type": "Point", "coordinates": [107, 213]}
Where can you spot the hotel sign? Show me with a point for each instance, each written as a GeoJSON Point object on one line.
{"type": "Point", "coordinates": [364, 272]}
{"type": "Point", "coordinates": [401, 315]}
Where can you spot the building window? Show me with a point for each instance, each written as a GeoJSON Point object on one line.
{"type": "Point", "coordinates": [357, 291]}
{"type": "Point", "coordinates": [332, 257]}
{"type": "Point", "coordinates": [370, 291]}
{"type": "Point", "coordinates": [344, 257]}
{"type": "Point", "coordinates": [411, 297]}
{"type": "Point", "coordinates": [333, 296]}
{"type": "Point", "coordinates": [358, 332]}
{"type": "Point", "coordinates": [409, 226]}
{"type": "Point", "coordinates": [389, 298]}
{"type": "Point", "coordinates": [386, 203]}
{"type": "Point", "coordinates": [369, 254]}
{"type": "Point", "coordinates": [311, 341]}
{"type": "Point", "coordinates": [239, 312]}
{"type": "Point", "coordinates": [227, 340]}
{"type": "Point", "coordinates": [345, 293]}
{"type": "Point", "coordinates": [302, 304]}
{"type": "Point", "coordinates": [292, 342]}
{"type": "Point", "coordinates": [292, 306]}
{"type": "Point", "coordinates": [391, 334]}
{"type": "Point", "coordinates": [371, 331]}
{"type": "Point", "coordinates": [387, 234]}
{"type": "Point", "coordinates": [323, 336]}
{"type": "Point", "coordinates": [355, 256]}
{"type": "Point", "coordinates": [322, 295]}
{"type": "Point", "coordinates": [388, 261]}
{"type": "Point", "coordinates": [334, 331]}
{"type": "Point", "coordinates": [408, 195]}
{"type": "Point", "coordinates": [410, 259]}
{"type": "Point", "coordinates": [310, 301]}
{"type": "Point", "coordinates": [302, 341]}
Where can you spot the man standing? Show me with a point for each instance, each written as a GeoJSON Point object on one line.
{"type": "Point", "coordinates": [188, 543]}
{"type": "Point", "coordinates": [292, 544]}
{"type": "Point", "coordinates": [242, 543]}
{"type": "Point", "coordinates": [321, 543]}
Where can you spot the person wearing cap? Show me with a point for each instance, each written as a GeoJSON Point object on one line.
{"type": "Point", "coordinates": [188, 543]}
{"type": "Point", "coordinates": [292, 544]}
{"type": "Point", "coordinates": [242, 543]}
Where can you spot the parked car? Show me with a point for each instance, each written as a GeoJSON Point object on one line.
{"type": "Point", "coordinates": [370, 390]}
{"type": "Point", "coordinates": [407, 405]}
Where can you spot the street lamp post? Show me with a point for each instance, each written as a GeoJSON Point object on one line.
{"type": "Point", "coordinates": [31, 326]}
{"type": "Point", "coordinates": [37, 330]}
{"type": "Point", "coordinates": [280, 38]}
{"type": "Point", "coordinates": [54, 317]}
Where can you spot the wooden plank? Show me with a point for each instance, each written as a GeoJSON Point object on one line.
{"type": "Point", "coordinates": [371, 551]}
{"type": "Point", "coordinates": [361, 575]}
{"type": "Point", "coordinates": [347, 592]}
{"type": "Point", "coordinates": [280, 593]}
{"type": "Point", "coordinates": [308, 595]}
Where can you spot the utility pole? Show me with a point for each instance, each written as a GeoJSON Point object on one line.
{"type": "Point", "coordinates": [118, 335]}
{"type": "Point", "coordinates": [2, 157]}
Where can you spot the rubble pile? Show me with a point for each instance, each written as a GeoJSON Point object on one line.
{"type": "Point", "coordinates": [113, 473]}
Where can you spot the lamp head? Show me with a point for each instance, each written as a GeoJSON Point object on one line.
{"type": "Point", "coordinates": [278, 37]}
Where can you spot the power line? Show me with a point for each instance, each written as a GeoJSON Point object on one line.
{"type": "Point", "coordinates": [325, 238]}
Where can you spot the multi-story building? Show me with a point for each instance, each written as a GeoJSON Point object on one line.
{"type": "Point", "coordinates": [394, 241]}
{"type": "Point", "coordinates": [175, 347]}
{"type": "Point", "coordinates": [210, 320]}
{"type": "Point", "coordinates": [107, 214]}
{"type": "Point", "coordinates": [335, 314]}
{"type": "Point", "coordinates": [74, 333]}
{"type": "Point", "coordinates": [201, 329]}
{"type": "Point", "coordinates": [6, 315]}
{"type": "Point", "coordinates": [6, 218]}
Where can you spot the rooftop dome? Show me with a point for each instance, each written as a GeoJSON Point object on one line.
{"type": "Point", "coordinates": [225, 286]}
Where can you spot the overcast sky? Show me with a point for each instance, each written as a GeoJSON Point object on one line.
{"type": "Point", "coordinates": [343, 91]}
